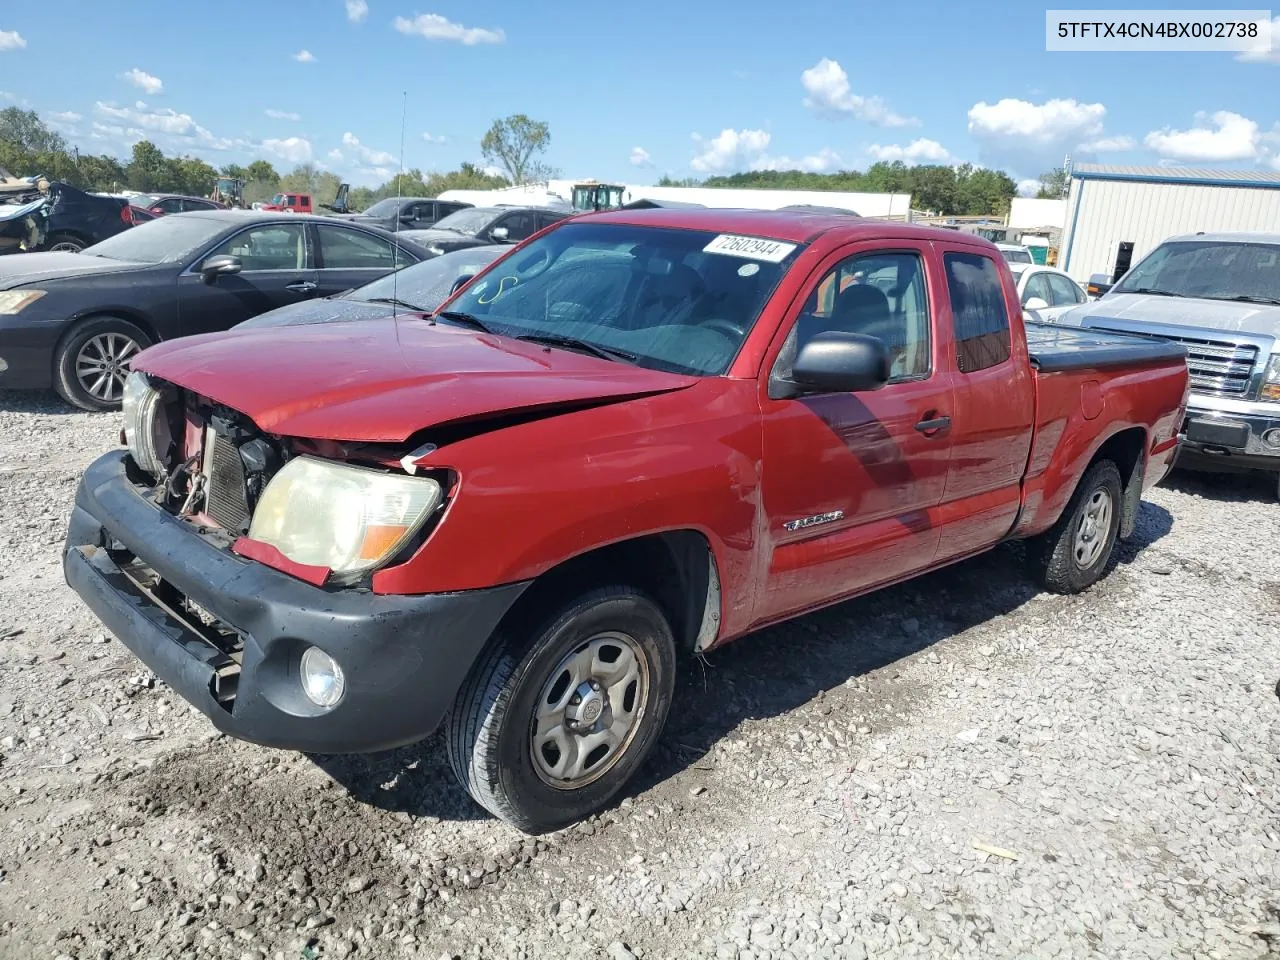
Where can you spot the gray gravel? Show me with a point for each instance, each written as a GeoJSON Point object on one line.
{"type": "Point", "coordinates": [958, 767]}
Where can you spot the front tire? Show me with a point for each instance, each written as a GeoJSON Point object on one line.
{"type": "Point", "coordinates": [92, 362]}
{"type": "Point", "coordinates": [547, 730]}
{"type": "Point", "coordinates": [1075, 552]}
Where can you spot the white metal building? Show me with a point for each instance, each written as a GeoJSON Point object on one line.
{"type": "Point", "coordinates": [1110, 205]}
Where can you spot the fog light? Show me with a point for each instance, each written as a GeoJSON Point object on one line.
{"type": "Point", "coordinates": [322, 679]}
{"type": "Point", "coordinates": [1272, 437]}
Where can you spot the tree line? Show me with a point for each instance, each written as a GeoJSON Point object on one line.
{"type": "Point", "coordinates": [28, 147]}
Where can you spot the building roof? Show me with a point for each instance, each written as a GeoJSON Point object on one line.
{"type": "Point", "coordinates": [1189, 176]}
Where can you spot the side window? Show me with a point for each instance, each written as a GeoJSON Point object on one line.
{"type": "Point", "coordinates": [880, 295]}
{"type": "Point", "coordinates": [519, 226]}
{"type": "Point", "coordinates": [269, 247]}
{"type": "Point", "coordinates": [427, 211]}
{"type": "Point", "coordinates": [978, 310]}
{"type": "Point", "coordinates": [351, 250]}
{"type": "Point", "coordinates": [1037, 286]}
{"type": "Point", "coordinates": [1064, 291]}
{"type": "Point", "coordinates": [171, 206]}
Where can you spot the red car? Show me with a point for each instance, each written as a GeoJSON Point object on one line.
{"type": "Point", "coordinates": [162, 204]}
{"type": "Point", "coordinates": [639, 435]}
{"type": "Point", "coordinates": [289, 203]}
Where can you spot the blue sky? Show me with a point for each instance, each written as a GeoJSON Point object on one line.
{"type": "Point", "coordinates": [630, 92]}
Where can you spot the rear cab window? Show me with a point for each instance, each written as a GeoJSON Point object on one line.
{"type": "Point", "coordinates": [979, 312]}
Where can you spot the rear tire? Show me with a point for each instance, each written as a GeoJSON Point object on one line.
{"type": "Point", "coordinates": [1075, 552]}
{"type": "Point", "coordinates": [64, 243]}
{"type": "Point", "coordinates": [549, 726]}
{"type": "Point", "coordinates": [92, 362]}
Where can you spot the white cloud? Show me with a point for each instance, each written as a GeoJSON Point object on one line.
{"type": "Point", "coordinates": [734, 150]}
{"type": "Point", "coordinates": [432, 26]}
{"type": "Point", "coordinates": [917, 151]}
{"type": "Point", "coordinates": [293, 149]}
{"type": "Point", "coordinates": [65, 117]}
{"type": "Point", "coordinates": [1109, 144]}
{"type": "Point", "coordinates": [367, 155]}
{"type": "Point", "coordinates": [179, 130]}
{"type": "Point", "coordinates": [1257, 56]}
{"type": "Point", "coordinates": [640, 157]}
{"type": "Point", "coordinates": [492, 171]}
{"type": "Point", "coordinates": [1028, 188]}
{"type": "Point", "coordinates": [11, 40]}
{"type": "Point", "coordinates": [430, 139]}
{"type": "Point", "coordinates": [1217, 138]}
{"type": "Point", "coordinates": [305, 56]}
{"type": "Point", "coordinates": [282, 115]}
{"type": "Point", "coordinates": [336, 155]}
{"type": "Point", "coordinates": [144, 81]}
{"type": "Point", "coordinates": [357, 10]}
{"type": "Point", "coordinates": [827, 90]}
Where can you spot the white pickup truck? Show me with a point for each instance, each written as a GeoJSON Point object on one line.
{"type": "Point", "coordinates": [1217, 294]}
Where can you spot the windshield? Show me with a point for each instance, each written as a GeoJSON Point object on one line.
{"type": "Point", "coordinates": [144, 199]}
{"type": "Point", "coordinates": [1016, 256]}
{"type": "Point", "coordinates": [469, 222]}
{"type": "Point", "coordinates": [278, 200]}
{"type": "Point", "coordinates": [429, 283]}
{"type": "Point", "coordinates": [1210, 269]}
{"type": "Point", "coordinates": [678, 300]}
{"type": "Point", "coordinates": [383, 208]}
{"type": "Point", "coordinates": [163, 240]}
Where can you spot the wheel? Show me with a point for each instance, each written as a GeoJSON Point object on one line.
{"type": "Point", "coordinates": [546, 731]}
{"type": "Point", "coordinates": [64, 243]}
{"type": "Point", "coordinates": [1074, 553]}
{"type": "Point", "coordinates": [93, 360]}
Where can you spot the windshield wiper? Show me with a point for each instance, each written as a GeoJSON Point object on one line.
{"type": "Point", "coordinates": [573, 343]}
{"type": "Point", "coordinates": [1247, 298]}
{"type": "Point", "coordinates": [397, 302]}
{"type": "Point", "coordinates": [462, 319]}
{"type": "Point", "coordinates": [1151, 291]}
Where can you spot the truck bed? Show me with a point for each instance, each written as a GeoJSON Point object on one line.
{"type": "Point", "coordinates": [1053, 348]}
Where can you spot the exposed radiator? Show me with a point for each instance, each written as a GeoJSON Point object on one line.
{"type": "Point", "coordinates": [228, 503]}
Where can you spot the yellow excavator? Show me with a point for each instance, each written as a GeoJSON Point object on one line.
{"type": "Point", "coordinates": [594, 195]}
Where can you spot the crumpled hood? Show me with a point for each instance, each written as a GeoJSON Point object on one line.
{"type": "Point", "coordinates": [22, 268]}
{"type": "Point", "coordinates": [381, 381]}
{"type": "Point", "coordinates": [1257, 318]}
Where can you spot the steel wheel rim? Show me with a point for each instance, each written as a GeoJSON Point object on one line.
{"type": "Point", "coordinates": [1093, 530]}
{"type": "Point", "coordinates": [103, 363]}
{"type": "Point", "coordinates": [66, 246]}
{"type": "Point", "coordinates": [589, 710]}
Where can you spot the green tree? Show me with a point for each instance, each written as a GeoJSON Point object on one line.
{"type": "Point", "coordinates": [512, 144]}
{"type": "Point", "coordinates": [101, 172]}
{"type": "Point", "coordinates": [260, 172]}
{"type": "Point", "coordinates": [26, 132]}
{"type": "Point", "coordinates": [148, 168]}
{"type": "Point", "coordinates": [1053, 184]}
{"type": "Point", "coordinates": [190, 176]}
{"type": "Point", "coordinates": [303, 178]}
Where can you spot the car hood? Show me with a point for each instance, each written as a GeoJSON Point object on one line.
{"type": "Point", "coordinates": [23, 268]}
{"type": "Point", "coordinates": [425, 237]}
{"type": "Point", "coordinates": [1255, 318]}
{"type": "Point", "coordinates": [320, 311]}
{"type": "Point", "coordinates": [381, 381]}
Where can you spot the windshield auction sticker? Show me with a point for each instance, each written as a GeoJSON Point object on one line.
{"type": "Point", "coordinates": [752, 248]}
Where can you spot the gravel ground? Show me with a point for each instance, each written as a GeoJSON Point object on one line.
{"type": "Point", "coordinates": [958, 767]}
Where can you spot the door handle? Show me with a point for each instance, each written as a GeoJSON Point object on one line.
{"type": "Point", "coordinates": [302, 286]}
{"type": "Point", "coordinates": [933, 424]}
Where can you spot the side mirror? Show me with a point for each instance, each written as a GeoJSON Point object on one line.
{"type": "Point", "coordinates": [839, 362]}
{"type": "Point", "coordinates": [1035, 303]}
{"type": "Point", "coordinates": [461, 282]}
{"type": "Point", "coordinates": [219, 266]}
{"type": "Point", "coordinates": [1100, 278]}
{"type": "Point", "coordinates": [499, 234]}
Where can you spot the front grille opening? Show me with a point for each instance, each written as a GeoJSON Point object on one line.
{"type": "Point", "coordinates": [225, 645]}
{"type": "Point", "coordinates": [228, 502]}
{"type": "Point", "coordinates": [1213, 366]}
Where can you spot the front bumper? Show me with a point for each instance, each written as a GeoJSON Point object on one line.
{"type": "Point", "coordinates": [404, 657]}
{"type": "Point", "coordinates": [1240, 436]}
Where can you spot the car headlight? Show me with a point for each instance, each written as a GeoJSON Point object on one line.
{"type": "Point", "coordinates": [145, 434]}
{"type": "Point", "coordinates": [1271, 379]}
{"type": "Point", "coordinates": [15, 301]}
{"type": "Point", "coordinates": [349, 519]}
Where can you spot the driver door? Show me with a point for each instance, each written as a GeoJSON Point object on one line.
{"type": "Point", "coordinates": [853, 482]}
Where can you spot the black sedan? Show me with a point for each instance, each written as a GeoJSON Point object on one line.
{"type": "Point", "coordinates": [417, 289]}
{"type": "Point", "coordinates": [405, 213]}
{"type": "Point", "coordinates": [478, 226]}
{"type": "Point", "coordinates": [73, 320]}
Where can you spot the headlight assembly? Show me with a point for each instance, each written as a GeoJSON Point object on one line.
{"type": "Point", "coordinates": [1271, 379]}
{"type": "Point", "coordinates": [349, 519]}
{"type": "Point", "coordinates": [15, 301]}
{"type": "Point", "coordinates": [145, 433]}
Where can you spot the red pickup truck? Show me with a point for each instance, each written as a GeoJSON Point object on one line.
{"type": "Point", "coordinates": [289, 203]}
{"type": "Point", "coordinates": [638, 435]}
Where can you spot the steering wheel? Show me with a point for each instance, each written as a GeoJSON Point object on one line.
{"type": "Point", "coordinates": [726, 328]}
